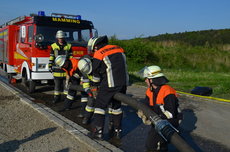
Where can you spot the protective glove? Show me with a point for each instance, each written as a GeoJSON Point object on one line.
{"type": "Point", "coordinates": [89, 92]}
{"type": "Point", "coordinates": [145, 120]}
{"type": "Point", "coordinates": [94, 90]}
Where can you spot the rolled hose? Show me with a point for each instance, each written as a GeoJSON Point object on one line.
{"type": "Point", "coordinates": [163, 127]}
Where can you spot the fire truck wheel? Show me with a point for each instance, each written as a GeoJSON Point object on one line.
{"type": "Point", "coordinates": [24, 81]}
{"type": "Point", "coordinates": [29, 84]}
{"type": "Point", "coordinates": [31, 87]}
{"type": "Point", "coordinates": [9, 78]}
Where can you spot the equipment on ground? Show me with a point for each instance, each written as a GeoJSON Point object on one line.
{"type": "Point", "coordinates": [203, 91]}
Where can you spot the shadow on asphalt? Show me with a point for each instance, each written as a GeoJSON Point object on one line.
{"type": "Point", "coordinates": [187, 125]}
{"type": "Point", "coordinates": [64, 150]}
{"type": "Point", "coordinates": [13, 145]}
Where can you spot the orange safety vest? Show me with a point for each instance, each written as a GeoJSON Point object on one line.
{"type": "Point", "coordinates": [165, 90]}
{"type": "Point", "coordinates": [74, 66]}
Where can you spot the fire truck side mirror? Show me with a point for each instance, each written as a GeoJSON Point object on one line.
{"type": "Point", "coordinates": [39, 38]}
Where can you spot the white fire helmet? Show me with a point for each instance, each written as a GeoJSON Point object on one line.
{"type": "Point", "coordinates": [60, 60]}
{"type": "Point", "coordinates": [151, 72]}
{"type": "Point", "coordinates": [85, 65]}
{"type": "Point", "coordinates": [60, 34]}
{"type": "Point", "coordinates": [91, 42]}
{"type": "Point", "coordinates": [95, 41]}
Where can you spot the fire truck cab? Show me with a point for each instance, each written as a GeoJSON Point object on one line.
{"type": "Point", "coordinates": [25, 44]}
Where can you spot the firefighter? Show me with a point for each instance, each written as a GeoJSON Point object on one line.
{"type": "Point", "coordinates": [61, 47]}
{"type": "Point", "coordinates": [85, 66]}
{"type": "Point", "coordinates": [73, 68]}
{"type": "Point", "coordinates": [109, 70]}
{"type": "Point", "coordinates": [163, 100]}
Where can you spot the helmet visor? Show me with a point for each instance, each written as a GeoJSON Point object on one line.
{"type": "Point", "coordinates": [141, 73]}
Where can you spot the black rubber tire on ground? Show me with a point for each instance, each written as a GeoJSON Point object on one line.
{"type": "Point", "coordinates": [31, 86]}
{"type": "Point", "coordinates": [24, 81]}
{"type": "Point", "coordinates": [9, 76]}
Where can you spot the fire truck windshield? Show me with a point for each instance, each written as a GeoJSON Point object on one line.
{"type": "Point", "coordinates": [77, 37]}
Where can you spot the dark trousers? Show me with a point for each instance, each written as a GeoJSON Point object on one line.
{"type": "Point", "coordinates": [103, 100]}
{"type": "Point", "coordinates": [155, 141]}
{"type": "Point", "coordinates": [71, 93]}
{"type": "Point", "coordinates": [59, 83]}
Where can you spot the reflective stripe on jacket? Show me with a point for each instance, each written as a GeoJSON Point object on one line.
{"type": "Point", "coordinates": [57, 50]}
{"type": "Point", "coordinates": [109, 66]}
{"type": "Point", "coordinates": [59, 74]}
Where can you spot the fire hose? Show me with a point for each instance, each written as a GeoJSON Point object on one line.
{"type": "Point", "coordinates": [163, 127]}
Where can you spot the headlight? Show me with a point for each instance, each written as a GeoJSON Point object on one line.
{"type": "Point", "coordinates": [41, 66]}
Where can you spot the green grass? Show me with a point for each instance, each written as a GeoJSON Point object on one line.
{"type": "Point", "coordinates": [185, 81]}
{"type": "Point", "coordinates": [185, 66]}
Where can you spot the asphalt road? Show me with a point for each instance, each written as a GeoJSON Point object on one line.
{"type": "Point", "coordinates": [205, 126]}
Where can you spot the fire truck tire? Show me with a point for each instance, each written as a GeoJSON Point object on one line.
{"type": "Point", "coordinates": [24, 81]}
{"type": "Point", "coordinates": [31, 87]}
{"type": "Point", "coordinates": [9, 76]}
{"type": "Point", "coordinates": [29, 84]}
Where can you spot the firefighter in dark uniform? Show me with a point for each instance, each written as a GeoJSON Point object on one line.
{"type": "Point", "coordinates": [61, 47]}
{"type": "Point", "coordinates": [109, 70]}
{"type": "Point", "coordinates": [163, 100]}
{"type": "Point", "coordinates": [74, 69]}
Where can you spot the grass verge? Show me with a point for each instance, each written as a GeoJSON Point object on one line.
{"type": "Point", "coordinates": [186, 80]}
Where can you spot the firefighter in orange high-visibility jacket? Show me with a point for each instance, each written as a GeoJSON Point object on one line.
{"type": "Point", "coordinates": [74, 68]}
{"type": "Point", "coordinates": [61, 47]}
{"type": "Point", "coordinates": [163, 100]}
{"type": "Point", "coordinates": [109, 70]}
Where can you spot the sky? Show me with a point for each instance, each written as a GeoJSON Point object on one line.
{"type": "Point", "coordinates": [127, 19]}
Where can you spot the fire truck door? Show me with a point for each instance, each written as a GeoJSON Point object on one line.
{"type": "Point", "coordinates": [23, 48]}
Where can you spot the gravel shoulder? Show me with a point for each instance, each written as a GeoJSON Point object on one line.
{"type": "Point", "coordinates": [24, 129]}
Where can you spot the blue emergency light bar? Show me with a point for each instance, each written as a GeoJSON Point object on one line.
{"type": "Point", "coordinates": [78, 17]}
{"type": "Point", "coordinates": [41, 13]}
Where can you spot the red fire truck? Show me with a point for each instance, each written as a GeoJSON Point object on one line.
{"type": "Point", "coordinates": [25, 44]}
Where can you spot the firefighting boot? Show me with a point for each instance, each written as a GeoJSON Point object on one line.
{"type": "Point", "coordinates": [117, 133]}
{"type": "Point", "coordinates": [87, 118]}
{"type": "Point", "coordinates": [67, 105]}
{"type": "Point", "coordinates": [82, 110]}
{"type": "Point", "coordinates": [97, 133]}
{"type": "Point", "coordinates": [111, 129]}
{"type": "Point", "coordinates": [163, 147]}
{"type": "Point", "coordinates": [56, 99]}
